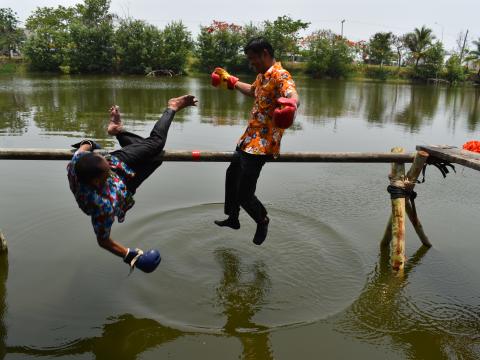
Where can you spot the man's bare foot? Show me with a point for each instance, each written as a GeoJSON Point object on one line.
{"type": "Point", "coordinates": [115, 125]}
{"type": "Point", "coordinates": [177, 104]}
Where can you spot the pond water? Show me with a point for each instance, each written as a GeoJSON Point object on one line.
{"type": "Point", "coordinates": [318, 288]}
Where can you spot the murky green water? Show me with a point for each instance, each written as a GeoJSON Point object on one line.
{"type": "Point", "coordinates": [318, 288]}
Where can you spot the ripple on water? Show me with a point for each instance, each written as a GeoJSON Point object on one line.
{"type": "Point", "coordinates": [434, 305]}
{"type": "Point", "coordinates": [216, 280]}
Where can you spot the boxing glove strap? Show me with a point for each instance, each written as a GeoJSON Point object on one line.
{"type": "Point", "coordinates": [135, 259]}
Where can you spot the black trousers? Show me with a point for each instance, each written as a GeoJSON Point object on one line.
{"type": "Point", "coordinates": [143, 155]}
{"type": "Point", "coordinates": [240, 185]}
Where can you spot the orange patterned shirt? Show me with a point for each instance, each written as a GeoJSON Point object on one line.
{"type": "Point", "coordinates": [261, 136]}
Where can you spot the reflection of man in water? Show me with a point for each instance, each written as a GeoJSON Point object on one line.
{"type": "Point", "coordinates": [104, 185]}
{"type": "Point", "coordinates": [125, 338]}
{"type": "Point", "coordinates": [274, 110]}
{"type": "Point", "coordinates": [241, 301]}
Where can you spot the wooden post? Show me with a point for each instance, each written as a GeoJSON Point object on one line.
{"type": "Point", "coordinates": [3, 243]}
{"type": "Point", "coordinates": [412, 176]}
{"type": "Point", "coordinates": [397, 248]}
{"type": "Point", "coordinates": [410, 181]}
{"type": "Point", "coordinates": [387, 236]}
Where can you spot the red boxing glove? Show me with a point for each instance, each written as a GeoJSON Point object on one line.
{"type": "Point", "coordinates": [221, 78]}
{"type": "Point", "coordinates": [284, 115]}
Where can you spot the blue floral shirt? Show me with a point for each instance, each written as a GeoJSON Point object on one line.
{"type": "Point", "coordinates": [102, 205]}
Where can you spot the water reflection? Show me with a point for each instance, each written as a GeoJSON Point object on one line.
{"type": "Point", "coordinates": [420, 108]}
{"type": "Point", "coordinates": [385, 310]}
{"type": "Point", "coordinates": [242, 298]}
{"type": "Point", "coordinates": [126, 337]}
{"type": "Point", "coordinates": [66, 105]}
{"type": "Point", "coordinates": [69, 105]}
{"type": "Point", "coordinates": [3, 303]}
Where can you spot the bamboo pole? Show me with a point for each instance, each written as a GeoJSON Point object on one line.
{"type": "Point", "coordinates": [413, 173]}
{"type": "Point", "coordinates": [417, 225]}
{"type": "Point", "coordinates": [222, 156]}
{"type": "Point", "coordinates": [397, 248]}
{"type": "Point", "coordinates": [387, 235]}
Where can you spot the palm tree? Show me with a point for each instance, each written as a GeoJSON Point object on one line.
{"type": "Point", "coordinates": [474, 55]}
{"type": "Point", "coordinates": [418, 42]}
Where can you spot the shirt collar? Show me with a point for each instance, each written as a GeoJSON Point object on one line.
{"type": "Point", "coordinates": [276, 66]}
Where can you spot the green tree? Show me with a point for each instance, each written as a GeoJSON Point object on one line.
{"type": "Point", "coordinates": [92, 37]}
{"type": "Point", "coordinates": [10, 35]}
{"type": "Point", "coordinates": [454, 71]}
{"type": "Point", "coordinates": [328, 54]}
{"type": "Point", "coordinates": [137, 46]}
{"type": "Point", "coordinates": [432, 65]}
{"type": "Point", "coordinates": [398, 43]}
{"type": "Point", "coordinates": [48, 47]}
{"type": "Point", "coordinates": [220, 44]}
{"type": "Point", "coordinates": [251, 31]}
{"type": "Point", "coordinates": [177, 44]}
{"type": "Point", "coordinates": [418, 42]}
{"type": "Point", "coordinates": [380, 48]}
{"type": "Point", "coordinates": [283, 34]}
{"type": "Point", "coordinates": [474, 56]}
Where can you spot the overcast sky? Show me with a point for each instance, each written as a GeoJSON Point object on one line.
{"type": "Point", "coordinates": [362, 18]}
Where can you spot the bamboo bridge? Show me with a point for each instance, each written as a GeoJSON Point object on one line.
{"type": "Point", "coordinates": [401, 183]}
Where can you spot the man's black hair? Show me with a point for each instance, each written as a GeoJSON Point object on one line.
{"type": "Point", "coordinates": [89, 167]}
{"type": "Point", "coordinates": [258, 45]}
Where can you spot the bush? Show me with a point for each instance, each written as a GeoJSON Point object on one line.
{"type": "Point", "coordinates": [432, 63]}
{"type": "Point", "coordinates": [91, 32]}
{"type": "Point", "coordinates": [49, 46]}
{"type": "Point", "coordinates": [137, 46]}
{"type": "Point", "coordinates": [176, 46]}
{"type": "Point", "coordinates": [92, 48]}
{"type": "Point", "coordinates": [454, 71]}
{"type": "Point", "coordinates": [221, 44]}
{"type": "Point", "coordinates": [378, 72]}
{"type": "Point", "coordinates": [328, 55]}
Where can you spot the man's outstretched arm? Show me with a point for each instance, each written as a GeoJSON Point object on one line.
{"type": "Point", "coordinates": [245, 89]}
{"type": "Point", "coordinates": [112, 246]}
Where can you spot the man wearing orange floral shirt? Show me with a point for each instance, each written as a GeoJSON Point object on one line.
{"type": "Point", "coordinates": [274, 110]}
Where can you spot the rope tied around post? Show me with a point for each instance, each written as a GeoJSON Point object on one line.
{"type": "Point", "coordinates": [397, 192]}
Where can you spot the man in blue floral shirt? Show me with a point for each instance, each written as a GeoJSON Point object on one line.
{"type": "Point", "coordinates": [104, 185]}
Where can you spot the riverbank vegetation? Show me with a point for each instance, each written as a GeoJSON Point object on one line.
{"type": "Point", "coordinates": [88, 38]}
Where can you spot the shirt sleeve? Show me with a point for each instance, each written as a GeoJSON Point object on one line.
{"type": "Point", "coordinates": [285, 84]}
{"type": "Point", "coordinates": [72, 178]}
{"type": "Point", "coordinates": [102, 224]}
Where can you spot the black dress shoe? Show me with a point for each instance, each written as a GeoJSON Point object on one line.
{"type": "Point", "coordinates": [261, 233]}
{"type": "Point", "coordinates": [230, 222]}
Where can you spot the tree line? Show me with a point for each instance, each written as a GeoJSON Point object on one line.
{"type": "Point", "coordinates": [88, 38]}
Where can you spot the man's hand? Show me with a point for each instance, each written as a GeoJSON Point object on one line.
{"type": "Point", "coordinates": [87, 145]}
{"type": "Point", "coordinates": [284, 115]}
{"type": "Point", "coordinates": [221, 78]}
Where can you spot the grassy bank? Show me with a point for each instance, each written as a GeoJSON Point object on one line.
{"type": "Point", "coordinates": [364, 72]}
{"type": "Point", "coordinates": [359, 72]}
{"type": "Point", "coordinates": [12, 66]}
